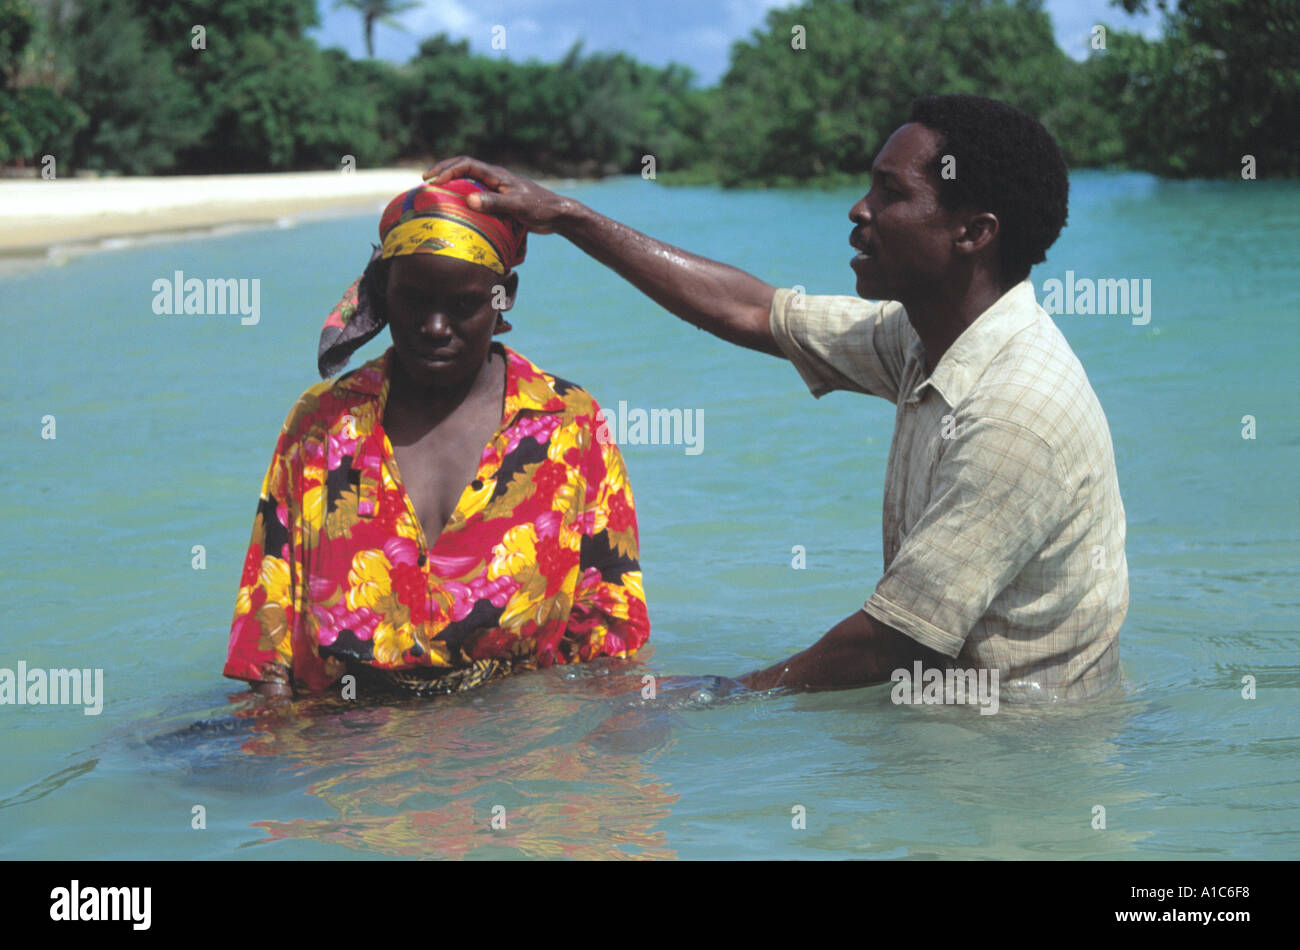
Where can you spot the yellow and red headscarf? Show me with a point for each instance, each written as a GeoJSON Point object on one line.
{"type": "Point", "coordinates": [428, 219]}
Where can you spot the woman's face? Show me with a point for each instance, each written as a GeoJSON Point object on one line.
{"type": "Point", "coordinates": [441, 313]}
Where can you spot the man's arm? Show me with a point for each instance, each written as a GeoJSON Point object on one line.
{"type": "Point", "coordinates": [858, 651]}
{"type": "Point", "coordinates": [722, 299]}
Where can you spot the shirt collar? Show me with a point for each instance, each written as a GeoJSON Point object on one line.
{"type": "Point", "coordinates": [964, 362]}
{"type": "Point", "coordinates": [527, 386]}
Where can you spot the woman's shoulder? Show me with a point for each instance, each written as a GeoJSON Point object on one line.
{"type": "Point", "coordinates": [323, 404]}
{"type": "Point", "coordinates": [548, 390]}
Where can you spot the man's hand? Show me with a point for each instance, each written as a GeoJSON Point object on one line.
{"type": "Point", "coordinates": [692, 691]}
{"type": "Point", "coordinates": [513, 196]}
{"type": "Point", "coordinates": [724, 300]}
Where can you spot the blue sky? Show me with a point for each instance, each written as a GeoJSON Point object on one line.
{"type": "Point", "coordinates": [698, 33]}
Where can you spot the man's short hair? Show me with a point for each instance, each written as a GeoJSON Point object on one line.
{"type": "Point", "coordinates": [1006, 163]}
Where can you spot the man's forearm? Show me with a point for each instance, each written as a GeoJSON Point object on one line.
{"type": "Point", "coordinates": [857, 651]}
{"type": "Point", "coordinates": [717, 297]}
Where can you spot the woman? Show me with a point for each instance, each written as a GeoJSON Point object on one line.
{"type": "Point", "coordinates": [446, 513]}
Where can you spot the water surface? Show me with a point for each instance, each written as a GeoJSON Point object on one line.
{"type": "Point", "coordinates": [165, 425]}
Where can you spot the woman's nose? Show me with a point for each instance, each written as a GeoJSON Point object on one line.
{"type": "Point", "coordinates": [437, 325]}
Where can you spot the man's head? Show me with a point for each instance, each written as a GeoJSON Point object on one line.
{"type": "Point", "coordinates": [967, 183]}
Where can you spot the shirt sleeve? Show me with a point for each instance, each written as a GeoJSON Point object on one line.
{"type": "Point", "coordinates": [842, 343]}
{"type": "Point", "coordinates": [609, 614]}
{"type": "Point", "coordinates": [261, 635]}
{"type": "Point", "coordinates": [998, 496]}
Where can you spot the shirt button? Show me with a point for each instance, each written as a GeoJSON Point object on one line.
{"type": "Point", "coordinates": [422, 560]}
{"type": "Point", "coordinates": [477, 484]}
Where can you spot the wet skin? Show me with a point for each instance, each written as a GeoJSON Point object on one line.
{"type": "Point", "coordinates": [940, 264]}
{"type": "Point", "coordinates": [447, 392]}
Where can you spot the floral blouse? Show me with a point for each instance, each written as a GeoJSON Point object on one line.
{"type": "Point", "coordinates": [538, 564]}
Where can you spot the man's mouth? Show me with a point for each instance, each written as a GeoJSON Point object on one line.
{"type": "Point", "coordinates": [865, 248]}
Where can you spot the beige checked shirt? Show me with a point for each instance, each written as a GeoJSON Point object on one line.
{"type": "Point", "coordinates": [1003, 525]}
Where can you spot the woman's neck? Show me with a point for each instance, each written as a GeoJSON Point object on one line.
{"type": "Point", "coordinates": [437, 400]}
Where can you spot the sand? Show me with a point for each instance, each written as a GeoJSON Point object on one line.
{"type": "Point", "coordinates": [40, 218]}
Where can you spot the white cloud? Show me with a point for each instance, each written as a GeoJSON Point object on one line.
{"type": "Point", "coordinates": [442, 16]}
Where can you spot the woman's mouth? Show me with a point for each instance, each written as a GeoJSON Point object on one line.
{"type": "Point", "coordinates": [435, 354]}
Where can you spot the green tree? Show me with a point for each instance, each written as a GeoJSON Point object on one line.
{"type": "Point", "coordinates": [35, 119]}
{"type": "Point", "coordinates": [141, 114]}
{"type": "Point", "coordinates": [272, 99]}
{"type": "Point", "coordinates": [816, 94]}
{"type": "Point", "coordinates": [1223, 82]}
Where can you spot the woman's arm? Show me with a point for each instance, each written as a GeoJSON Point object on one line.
{"type": "Point", "coordinates": [260, 650]}
{"type": "Point", "coordinates": [609, 615]}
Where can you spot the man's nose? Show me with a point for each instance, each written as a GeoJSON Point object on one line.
{"type": "Point", "coordinates": [859, 214]}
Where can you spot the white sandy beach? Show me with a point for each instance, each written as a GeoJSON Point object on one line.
{"type": "Point", "coordinates": [38, 215]}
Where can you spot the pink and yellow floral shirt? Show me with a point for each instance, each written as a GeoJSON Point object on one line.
{"type": "Point", "coordinates": [538, 564]}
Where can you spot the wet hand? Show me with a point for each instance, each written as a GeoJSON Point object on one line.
{"type": "Point", "coordinates": [512, 195]}
{"type": "Point", "coordinates": [696, 691]}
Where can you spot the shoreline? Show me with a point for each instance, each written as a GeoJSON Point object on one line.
{"type": "Point", "coordinates": [48, 221]}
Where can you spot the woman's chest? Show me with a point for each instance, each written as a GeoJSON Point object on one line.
{"type": "Point", "coordinates": [437, 467]}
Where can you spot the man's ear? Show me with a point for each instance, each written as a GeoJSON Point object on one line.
{"type": "Point", "coordinates": [978, 234]}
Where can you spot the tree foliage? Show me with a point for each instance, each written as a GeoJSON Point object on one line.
{"type": "Point", "coordinates": [149, 86]}
{"type": "Point", "coordinates": [35, 119]}
{"type": "Point", "coordinates": [1222, 83]}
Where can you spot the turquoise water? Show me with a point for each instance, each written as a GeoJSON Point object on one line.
{"type": "Point", "coordinates": [165, 425]}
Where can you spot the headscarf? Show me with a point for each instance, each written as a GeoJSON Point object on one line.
{"type": "Point", "coordinates": [428, 219]}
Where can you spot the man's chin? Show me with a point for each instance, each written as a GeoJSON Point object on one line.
{"type": "Point", "coordinates": [869, 289]}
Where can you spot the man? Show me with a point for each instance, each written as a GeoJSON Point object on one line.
{"type": "Point", "coordinates": [1003, 525]}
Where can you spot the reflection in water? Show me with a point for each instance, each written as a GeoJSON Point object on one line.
{"type": "Point", "coordinates": [567, 755]}
{"type": "Point", "coordinates": [514, 769]}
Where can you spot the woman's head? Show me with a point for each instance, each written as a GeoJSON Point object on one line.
{"type": "Point", "coordinates": [442, 276]}
{"type": "Point", "coordinates": [442, 313]}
